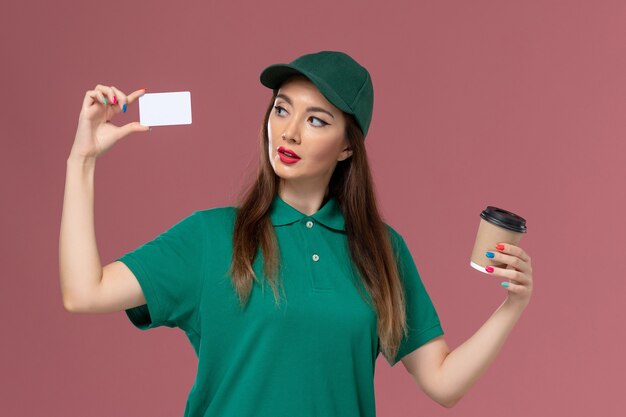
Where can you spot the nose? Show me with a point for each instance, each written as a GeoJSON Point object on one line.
{"type": "Point", "coordinates": [291, 134]}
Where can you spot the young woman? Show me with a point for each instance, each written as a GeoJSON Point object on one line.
{"type": "Point", "coordinates": [344, 284]}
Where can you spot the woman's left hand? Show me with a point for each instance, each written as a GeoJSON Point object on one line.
{"type": "Point", "coordinates": [518, 271]}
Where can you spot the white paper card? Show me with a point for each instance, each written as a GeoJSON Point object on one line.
{"type": "Point", "coordinates": [161, 109]}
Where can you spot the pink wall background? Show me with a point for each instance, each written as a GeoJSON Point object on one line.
{"type": "Point", "coordinates": [514, 104]}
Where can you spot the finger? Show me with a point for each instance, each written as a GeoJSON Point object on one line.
{"type": "Point", "coordinates": [106, 92]}
{"type": "Point", "coordinates": [133, 127]}
{"type": "Point", "coordinates": [100, 97]}
{"type": "Point", "coordinates": [120, 99]}
{"type": "Point", "coordinates": [112, 100]}
{"type": "Point", "coordinates": [90, 97]}
{"type": "Point", "coordinates": [113, 96]}
{"type": "Point", "coordinates": [124, 100]}
{"type": "Point", "coordinates": [514, 288]}
{"type": "Point", "coordinates": [511, 274]}
{"type": "Point", "coordinates": [513, 250]}
{"type": "Point", "coordinates": [510, 260]}
{"type": "Point", "coordinates": [135, 95]}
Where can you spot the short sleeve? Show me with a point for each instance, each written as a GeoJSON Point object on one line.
{"type": "Point", "coordinates": [422, 318]}
{"type": "Point", "coordinates": [170, 270]}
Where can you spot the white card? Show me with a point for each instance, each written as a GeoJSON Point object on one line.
{"type": "Point", "coordinates": [161, 109]}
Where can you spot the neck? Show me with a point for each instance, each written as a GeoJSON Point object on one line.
{"type": "Point", "coordinates": [307, 200]}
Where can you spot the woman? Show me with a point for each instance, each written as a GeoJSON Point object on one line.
{"type": "Point", "coordinates": [344, 285]}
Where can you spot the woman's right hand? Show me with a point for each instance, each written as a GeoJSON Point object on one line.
{"type": "Point", "coordinates": [95, 133]}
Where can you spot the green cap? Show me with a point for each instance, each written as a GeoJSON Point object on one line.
{"type": "Point", "coordinates": [342, 80]}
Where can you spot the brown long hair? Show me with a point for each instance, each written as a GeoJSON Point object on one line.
{"type": "Point", "coordinates": [368, 240]}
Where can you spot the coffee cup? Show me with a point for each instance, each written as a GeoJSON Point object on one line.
{"type": "Point", "coordinates": [496, 226]}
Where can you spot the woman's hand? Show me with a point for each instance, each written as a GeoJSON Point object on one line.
{"type": "Point", "coordinates": [95, 133]}
{"type": "Point", "coordinates": [518, 271]}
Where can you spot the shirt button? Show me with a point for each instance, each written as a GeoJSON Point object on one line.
{"type": "Point", "coordinates": [316, 257]}
{"type": "Point", "coordinates": [309, 224]}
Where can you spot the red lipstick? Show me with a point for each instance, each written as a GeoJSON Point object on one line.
{"type": "Point", "coordinates": [287, 155]}
{"type": "Point", "coordinates": [289, 152]}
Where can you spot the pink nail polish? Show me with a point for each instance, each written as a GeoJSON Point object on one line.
{"type": "Point", "coordinates": [489, 269]}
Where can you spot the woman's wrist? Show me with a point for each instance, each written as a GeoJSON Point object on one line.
{"type": "Point", "coordinates": [77, 159]}
{"type": "Point", "coordinates": [515, 307]}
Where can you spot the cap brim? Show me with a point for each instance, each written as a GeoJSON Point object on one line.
{"type": "Point", "coordinates": [274, 75]}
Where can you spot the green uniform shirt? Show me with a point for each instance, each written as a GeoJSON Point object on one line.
{"type": "Point", "coordinates": [314, 355]}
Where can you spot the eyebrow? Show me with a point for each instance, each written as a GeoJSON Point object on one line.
{"type": "Point", "coordinates": [288, 100]}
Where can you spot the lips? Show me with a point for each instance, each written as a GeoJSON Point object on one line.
{"type": "Point", "coordinates": [288, 152]}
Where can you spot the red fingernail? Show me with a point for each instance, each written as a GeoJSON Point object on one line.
{"type": "Point", "coordinates": [114, 100]}
{"type": "Point", "coordinates": [489, 269]}
{"type": "Point", "coordinates": [500, 247]}
{"type": "Point", "coordinates": [144, 88]}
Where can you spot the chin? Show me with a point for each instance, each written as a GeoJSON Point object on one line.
{"type": "Point", "coordinates": [285, 175]}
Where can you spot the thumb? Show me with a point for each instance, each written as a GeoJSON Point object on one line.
{"type": "Point", "coordinates": [132, 127]}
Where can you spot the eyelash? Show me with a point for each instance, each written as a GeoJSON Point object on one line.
{"type": "Point", "coordinates": [324, 123]}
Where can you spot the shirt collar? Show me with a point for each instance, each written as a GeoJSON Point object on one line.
{"type": "Point", "coordinates": [330, 214]}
